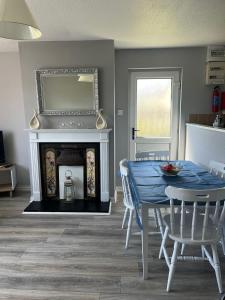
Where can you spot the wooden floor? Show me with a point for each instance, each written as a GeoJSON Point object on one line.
{"type": "Point", "coordinates": [83, 258]}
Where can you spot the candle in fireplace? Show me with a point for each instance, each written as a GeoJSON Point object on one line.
{"type": "Point", "coordinates": [68, 186]}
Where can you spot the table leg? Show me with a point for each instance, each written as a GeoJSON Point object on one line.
{"type": "Point", "coordinates": [144, 235]}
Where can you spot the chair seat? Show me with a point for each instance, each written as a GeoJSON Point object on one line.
{"type": "Point", "coordinates": [211, 232]}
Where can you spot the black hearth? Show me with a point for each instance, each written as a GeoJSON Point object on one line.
{"type": "Point", "coordinates": [60, 206]}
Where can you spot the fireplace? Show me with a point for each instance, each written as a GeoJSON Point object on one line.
{"type": "Point", "coordinates": [80, 160]}
{"type": "Point", "coordinates": [70, 148]}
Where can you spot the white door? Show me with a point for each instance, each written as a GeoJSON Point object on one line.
{"type": "Point", "coordinates": [154, 113]}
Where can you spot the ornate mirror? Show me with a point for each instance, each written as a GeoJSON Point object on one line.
{"type": "Point", "coordinates": [70, 91]}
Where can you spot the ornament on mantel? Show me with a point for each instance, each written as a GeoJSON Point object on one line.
{"type": "Point", "coordinates": [34, 122]}
{"type": "Point", "coordinates": [100, 122]}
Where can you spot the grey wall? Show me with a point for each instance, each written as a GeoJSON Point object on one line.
{"type": "Point", "coordinates": [100, 54]}
{"type": "Point", "coordinates": [195, 94]}
{"type": "Point", "coordinates": [34, 55]}
{"type": "Point", "coordinates": [12, 115]}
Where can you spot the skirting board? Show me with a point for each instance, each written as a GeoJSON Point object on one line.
{"type": "Point", "coordinates": [23, 188]}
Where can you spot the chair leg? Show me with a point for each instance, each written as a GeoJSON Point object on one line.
{"type": "Point", "coordinates": [160, 221]}
{"type": "Point", "coordinates": [124, 218]}
{"type": "Point", "coordinates": [156, 218]}
{"type": "Point", "coordinates": [172, 265]}
{"type": "Point", "coordinates": [163, 244]}
{"type": "Point", "coordinates": [129, 228]}
{"type": "Point", "coordinates": [182, 249]}
{"type": "Point", "coordinates": [217, 267]}
{"type": "Point", "coordinates": [223, 240]}
{"type": "Point", "coordinates": [203, 252]}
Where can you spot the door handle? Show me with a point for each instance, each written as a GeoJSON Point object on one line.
{"type": "Point", "coordinates": [133, 132]}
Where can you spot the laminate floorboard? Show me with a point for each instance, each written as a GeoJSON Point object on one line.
{"type": "Point", "coordinates": [47, 257]}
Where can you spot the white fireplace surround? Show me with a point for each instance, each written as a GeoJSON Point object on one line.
{"type": "Point", "coordinates": [69, 136]}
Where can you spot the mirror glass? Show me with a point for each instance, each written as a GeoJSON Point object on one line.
{"type": "Point", "coordinates": [71, 91]}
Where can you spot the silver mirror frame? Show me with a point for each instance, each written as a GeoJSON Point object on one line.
{"type": "Point", "coordinates": [66, 71]}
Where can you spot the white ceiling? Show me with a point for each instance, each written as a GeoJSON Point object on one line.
{"type": "Point", "coordinates": [130, 23]}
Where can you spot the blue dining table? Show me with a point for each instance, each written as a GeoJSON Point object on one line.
{"type": "Point", "coordinates": [148, 185]}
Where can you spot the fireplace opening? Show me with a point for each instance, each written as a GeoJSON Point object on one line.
{"type": "Point", "coordinates": [80, 160]}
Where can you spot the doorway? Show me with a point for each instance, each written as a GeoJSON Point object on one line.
{"type": "Point", "coordinates": [154, 113]}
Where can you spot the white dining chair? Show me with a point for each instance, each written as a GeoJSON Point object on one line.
{"type": "Point", "coordinates": [218, 168]}
{"type": "Point", "coordinates": [127, 200]}
{"type": "Point", "coordinates": [194, 228]}
{"type": "Point", "coordinates": [129, 205]}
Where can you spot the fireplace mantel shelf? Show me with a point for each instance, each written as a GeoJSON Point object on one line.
{"type": "Point", "coordinates": [70, 130]}
{"type": "Point", "coordinates": [68, 135]}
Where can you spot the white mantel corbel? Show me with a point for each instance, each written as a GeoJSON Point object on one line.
{"type": "Point", "coordinates": [68, 136]}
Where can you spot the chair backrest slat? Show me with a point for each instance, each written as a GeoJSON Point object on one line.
{"type": "Point", "coordinates": [194, 221]}
{"type": "Point", "coordinates": [172, 215]}
{"type": "Point", "coordinates": [205, 221]}
{"type": "Point", "coordinates": [182, 220]}
{"type": "Point", "coordinates": [196, 211]}
{"type": "Point", "coordinates": [216, 212]}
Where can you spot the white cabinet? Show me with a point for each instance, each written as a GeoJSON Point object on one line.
{"type": "Point", "coordinates": [204, 143]}
{"type": "Point", "coordinates": [8, 179]}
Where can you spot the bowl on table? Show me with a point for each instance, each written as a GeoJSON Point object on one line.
{"type": "Point", "coordinates": [170, 169]}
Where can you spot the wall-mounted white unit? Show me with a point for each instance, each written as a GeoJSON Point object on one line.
{"type": "Point", "coordinates": [204, 143]}
{"type": "Point", "coordinates": [215, 72]}
{"type": "Point", "coordinates": [215, 53]}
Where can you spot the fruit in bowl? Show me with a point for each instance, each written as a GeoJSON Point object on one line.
{"type": "Point", "coordinates": [170, 169]}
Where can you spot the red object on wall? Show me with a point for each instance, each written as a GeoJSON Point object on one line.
{"type": "Point", "coordinates": [216, 99]}
{"type": "Point", "coordinates": [223, 101]}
